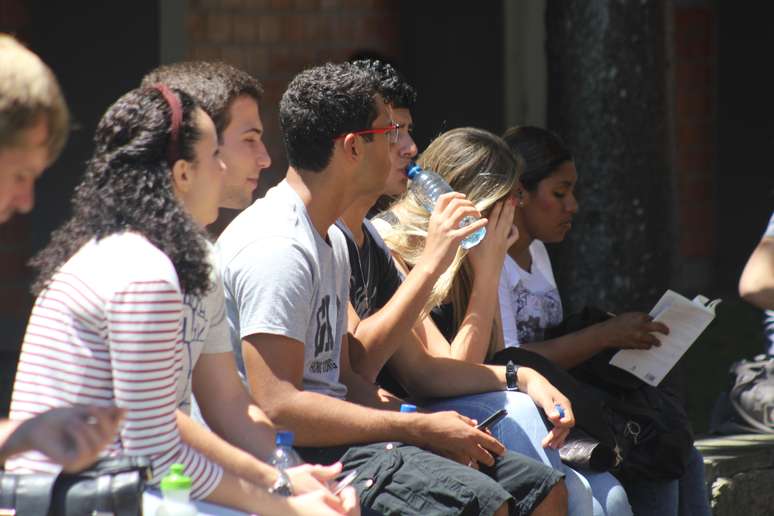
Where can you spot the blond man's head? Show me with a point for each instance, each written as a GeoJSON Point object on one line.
{"type": "Point", "coordinates": [34, 124]}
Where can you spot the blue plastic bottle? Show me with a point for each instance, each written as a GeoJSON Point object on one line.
{"type": "Point", "coordinates": [408, 407]}
{"type": "Point", "coordinates": [428, 186]}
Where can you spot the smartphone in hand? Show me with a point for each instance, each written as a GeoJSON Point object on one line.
{"type": "Point", "coordinates": [492, 420]}
{"type": "Point", "coordinates": [347, 480]}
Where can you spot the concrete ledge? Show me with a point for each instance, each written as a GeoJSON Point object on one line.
{"type": "Point", "coordinates": [739, 472]}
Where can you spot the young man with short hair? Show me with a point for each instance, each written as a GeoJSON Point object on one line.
{"type": "Point", "coordinates": [232, 99]}
{"type": "Point", "coordinates": [286, 274]}
{"type": "Point", "coordinates": [385, 311]}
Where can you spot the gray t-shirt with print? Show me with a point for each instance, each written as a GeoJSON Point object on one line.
{"type": "Point", "coordinates": [282, 278]}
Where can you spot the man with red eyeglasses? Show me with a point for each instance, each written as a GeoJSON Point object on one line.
{"type": "Point", "coordinates": [286, 276]}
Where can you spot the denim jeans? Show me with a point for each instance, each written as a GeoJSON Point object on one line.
{"type": "Point", "coordinates": [590, 493]}
{"type": "Point", "coordinates": [684, 497]}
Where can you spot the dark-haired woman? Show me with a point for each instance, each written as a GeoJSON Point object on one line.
{"type": "Point", "coordinates": [530, 302]}
{"type": "Point", "coordinates": [464, 325]}
{"type": "Point", "coordinates": [105, 328]}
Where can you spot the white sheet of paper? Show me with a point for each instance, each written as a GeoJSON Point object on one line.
{"type": "Point", "coordinates": [685, 319]}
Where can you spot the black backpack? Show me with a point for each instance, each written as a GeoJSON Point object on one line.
{"type": "Point", "coordinates": [637, 432]}
{"type": "Point", "coordinates": [647, 427]}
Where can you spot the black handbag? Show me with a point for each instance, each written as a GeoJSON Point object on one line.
{"type": "Point", "coordinates": [592, 443]}
{"type": "Point", "coordinates": [627, 427]}
{"type": "Point", "coordinates": [111, 487]}
{"type": "Point", "coordinates": [654, 430]}
{"type": "Point", "coordinates": [582, 451]}
{"type": "Point", "coordinates": [650, 424]}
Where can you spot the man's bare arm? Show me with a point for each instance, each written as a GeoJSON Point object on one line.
{"type": "Point", "coordinates": [229, 410]}
{"type": "Point", "coordinates": [426, 376]}
{"type": "Point", "coordinates": [359, 389]}
{"type": "Point", "coordinates": [274, 365]}
{"type": "Point", "coordinates": [379, 335]}
{"type": "Point", "coordinates": [232, 459]}
{"type": "Point", "coordinates": [275, 370]}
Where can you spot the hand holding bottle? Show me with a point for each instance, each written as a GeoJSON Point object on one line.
{"type": "Point", "coordinates": [427, 186]}
{"type": "Point", "coordinates": [444, 233]}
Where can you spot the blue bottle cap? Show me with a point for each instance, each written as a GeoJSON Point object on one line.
{"type": "Point", "coordinates": [284, 438]}
{"type": "Point", "coordinates": [408, 407]}
{"type": "Point", "coordinates": [412, 170]}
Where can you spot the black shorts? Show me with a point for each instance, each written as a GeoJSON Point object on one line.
{"type": "Point", "coordinates": [399, 479]}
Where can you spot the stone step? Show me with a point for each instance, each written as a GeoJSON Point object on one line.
{"type": "Point", "coordinates": [739, 473]}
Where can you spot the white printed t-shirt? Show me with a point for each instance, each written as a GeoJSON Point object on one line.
{"type": "Point", "coordinates": [205, 330]}
{"type": "Point", "coordinates": [282, 278]}
{"type": "Point", "coordinates": [529, 300]}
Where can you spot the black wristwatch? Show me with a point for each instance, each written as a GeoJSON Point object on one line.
{"type": "Point", "coordinates": [512, 376]}
{"type": "Point", "coordinates": [282, 486]}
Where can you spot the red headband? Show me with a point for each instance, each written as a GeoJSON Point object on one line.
{"type": "Point", "coordinates": [177, 119]}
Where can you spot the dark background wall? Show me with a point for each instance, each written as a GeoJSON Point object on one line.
{"type": "Point", "coordinates": [453, 55]}
{"type": "Point", "coordinates": [745, 134]}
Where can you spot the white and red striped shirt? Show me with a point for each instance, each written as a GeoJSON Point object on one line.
{"type": "Point", "coordinates": [107, 330]}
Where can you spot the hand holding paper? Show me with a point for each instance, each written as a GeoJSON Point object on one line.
{"type": "Point", "coordinates": [685, 319]}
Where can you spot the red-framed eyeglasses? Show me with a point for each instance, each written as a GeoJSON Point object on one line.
{"type": "Point", "coordinates": [392, 131]}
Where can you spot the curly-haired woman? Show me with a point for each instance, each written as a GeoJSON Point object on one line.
{"type": "Point", "coordinates": [106, 326]}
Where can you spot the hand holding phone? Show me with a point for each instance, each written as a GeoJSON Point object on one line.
{"type": "Point", "coordinates": [347, 480]}
{"type": "Point", "coordinates": [492, 420]}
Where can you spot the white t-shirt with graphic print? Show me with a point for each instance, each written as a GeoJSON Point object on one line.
{"type": "Point", "coordinates": [204, 329]}
{"type": "Point", "coordinates": [282, 278]}
{"type": "Point", "coordinates": [529, 300]}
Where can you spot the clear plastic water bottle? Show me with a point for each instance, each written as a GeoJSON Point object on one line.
{"type": "Point", "coordinates": [428, 186]}
{"type": "Point", "coordinates": [284, 455]}
{"type": "Point", "coordinates": [283, 458]}
{"type": "Point", "coordinates": [176, 489]}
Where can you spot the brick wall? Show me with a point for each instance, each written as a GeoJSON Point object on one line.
{"type": "Point", "coordinates": [276, 39]}
{"type": "Point", "coordinates": [695, 62]}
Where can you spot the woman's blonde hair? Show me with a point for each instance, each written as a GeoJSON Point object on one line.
{"type": "Point", "coordinates": [476, 163]}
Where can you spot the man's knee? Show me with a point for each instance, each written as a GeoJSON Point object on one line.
{"type": "Point", "coordinates": [555, 502]}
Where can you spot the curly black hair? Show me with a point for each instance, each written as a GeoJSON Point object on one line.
{"type": "Point", "coordinates": [128, 187]}
{"type": "Point", "coordinates": [320, 104]}
{"type": "Point", "coordinates": [214, 85]}
{"type": "Point", "coordinates": [392, 86]}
